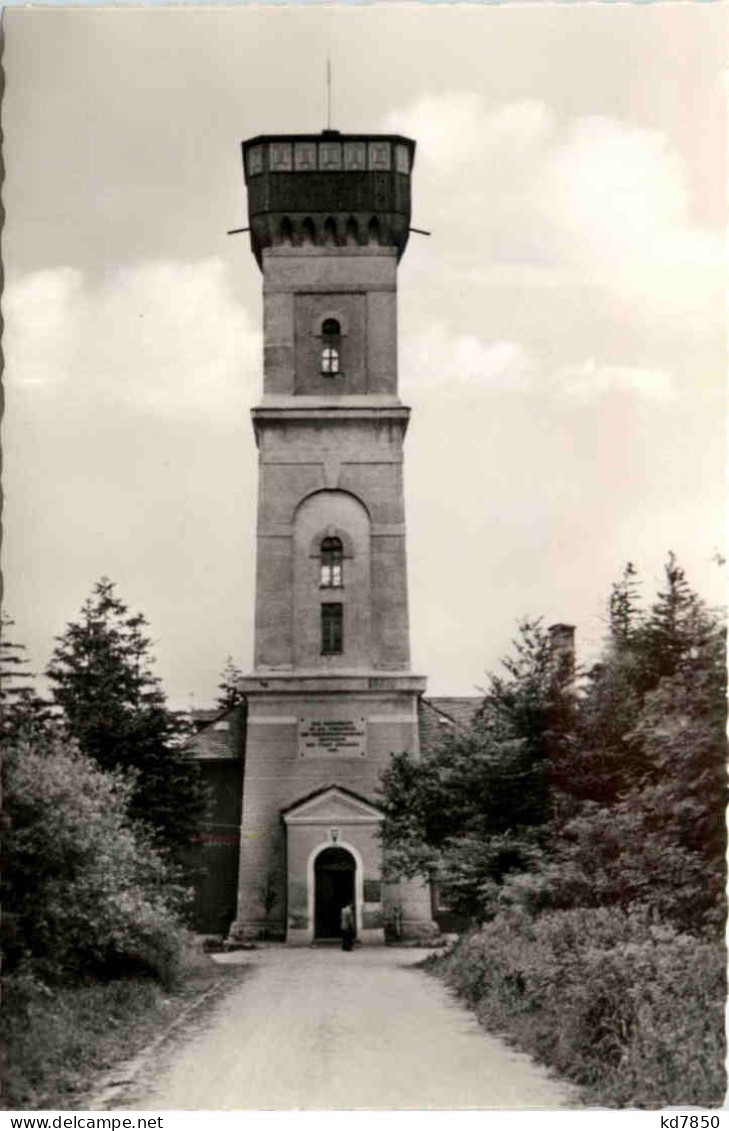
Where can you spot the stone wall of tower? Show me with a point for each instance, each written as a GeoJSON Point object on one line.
{"type": "Point", "coordinates": [323, 721]}
{"type": "Point", "coordinates": [304, 285]}
{"type": "Point", "coordinates": [354, 465]}
{"type": "Point", "coordinates": [278, 772]}
{"type": "Point", "coordinates": [341, 436]}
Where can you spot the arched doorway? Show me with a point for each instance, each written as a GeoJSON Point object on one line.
{"type": "Point", "coordinates": [334, 871]}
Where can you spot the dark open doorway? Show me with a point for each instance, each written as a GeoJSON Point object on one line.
{"type": "Point", "coordinates": [333, 889]}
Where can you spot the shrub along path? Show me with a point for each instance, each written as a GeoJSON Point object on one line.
{"type": "Point", "coordinates": [321, 1029]}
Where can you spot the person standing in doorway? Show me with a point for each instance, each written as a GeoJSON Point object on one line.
{"type": "Point", "coordinates": [347, 924]}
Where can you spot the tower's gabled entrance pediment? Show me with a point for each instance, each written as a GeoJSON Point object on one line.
{"type": "Point", "coordinates": [331, 805]}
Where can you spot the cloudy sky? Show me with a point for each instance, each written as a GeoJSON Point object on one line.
{"type": "Point", "coordinates": [561, 331]}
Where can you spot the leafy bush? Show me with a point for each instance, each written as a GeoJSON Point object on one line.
{"type": "Point", "coordinates": [468, 810]}
{"type": "Point", "coordinates": [616, 1002]}
{"type": "Point", "coordinates": [85, 891]}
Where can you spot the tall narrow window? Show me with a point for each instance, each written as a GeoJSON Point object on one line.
{"type": "Point", "coordinates": [330, 572]}
{"type": "Point", "coordinates": [330, 335]}
{"type": "Point", "coordinates": [330, 361]}
{"type": "Point", "coordinates": [331, 630]}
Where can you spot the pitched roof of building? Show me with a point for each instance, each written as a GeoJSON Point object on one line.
{"type": "Point", "coordinates": [219, 734]}
{"type": "Point", "coordinates": [322, 789]}
{"type": "Point", "coordinates": [440, 715]}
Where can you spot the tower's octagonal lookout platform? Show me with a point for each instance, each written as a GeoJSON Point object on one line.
{"type": "Point", "coordinates": [328, 189]}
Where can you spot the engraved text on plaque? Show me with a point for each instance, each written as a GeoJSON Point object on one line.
{"type": "Point", "coordinates": [327, 737]}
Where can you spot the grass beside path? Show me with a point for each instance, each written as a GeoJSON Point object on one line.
{"type": "Point", "coordinates": [58, 1041]}
{"type": "Point", "coordinates": [628, 1009]}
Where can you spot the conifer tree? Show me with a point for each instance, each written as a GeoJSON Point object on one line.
{"type": "Point", "coordinates": [115, 709]}
{"type": "Point", "coordinates": [23, 712]}
{"type": "Point", "coordinates": [623, 607]}
{"type": "Point", "coordinates": [229, 687]}
{"type": "Point", "coordinates": [677, 624]}
{"type": "Point", "coordinates": [647, 778]}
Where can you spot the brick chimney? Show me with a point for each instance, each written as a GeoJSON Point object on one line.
{"type": "Point", "coordinates": [562, 645]}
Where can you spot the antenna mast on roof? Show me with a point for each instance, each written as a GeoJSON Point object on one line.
{"type": "Point", "coordinates": [329, 92]}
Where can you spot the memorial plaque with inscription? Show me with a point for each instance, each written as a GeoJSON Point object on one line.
{"type": "Point", "coordinates": [332, 738]}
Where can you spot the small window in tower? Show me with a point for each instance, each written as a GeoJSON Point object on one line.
{"type": "Point", "coordinates": [330, 575]}
{"type": "Point", "coordinates": [331, 630]}
{"type": "Point", "coordinates": [330, 361]}
{"type": "Point", "coordinates": [331, 332]}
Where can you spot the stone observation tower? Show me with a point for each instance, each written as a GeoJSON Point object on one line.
{"type": "Point", "coordinates": [331, 696]}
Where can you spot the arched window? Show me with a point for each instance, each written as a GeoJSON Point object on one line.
{"type": "Point", "coordinates": [330, 570]}
{"type": "Point", "coordinates": [331, 333]}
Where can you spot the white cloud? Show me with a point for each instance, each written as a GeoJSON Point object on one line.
{"type": "Point", "coordinates": [604, 180]}
{"type": "Point", "coordinates": [617, 196]}
{"type": "Point", "coordinates": [590, 380]}
{"type": "Point", "coordinates": [170, 339]}
{"type": "Point", "coordinates": [603, 201]}
{"type": "Point", "coordinates": [457, 127]}
{"type": "Point", "coordinates": [436, 358]}
{"type": "Point", "coordinates": [164, 337]}
{"type": "Point", "coordinates": [41, 313]}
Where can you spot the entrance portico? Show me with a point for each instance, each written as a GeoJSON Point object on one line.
{"type": "Point", "coordinates": [333, 855]}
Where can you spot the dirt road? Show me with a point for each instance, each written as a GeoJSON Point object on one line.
{"type": "Point", "coordinates": [318, 1028]}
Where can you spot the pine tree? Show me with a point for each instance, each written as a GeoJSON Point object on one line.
{"type": "Point", "coordinates": [643, 649]}
{"type": "Point", "coordinates": [23, 712]}
{"type": "Point", "coordinates": [115, 709]}
{"type": "Point", "coordinates": [520, 703]}
{"type": "Point", "coordinates": [681, 729]}
{"type": "Point", "coordinates": [646, 782]}
{"type": "Point", "coordinates": [229, 687]}
{"type": "Point", "coordinates": [623, 607]}
{"type": "Point", "coordinates": [676, 626]}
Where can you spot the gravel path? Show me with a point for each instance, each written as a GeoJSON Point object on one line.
{"type": "Point", "coordinates": [321, 1029]}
